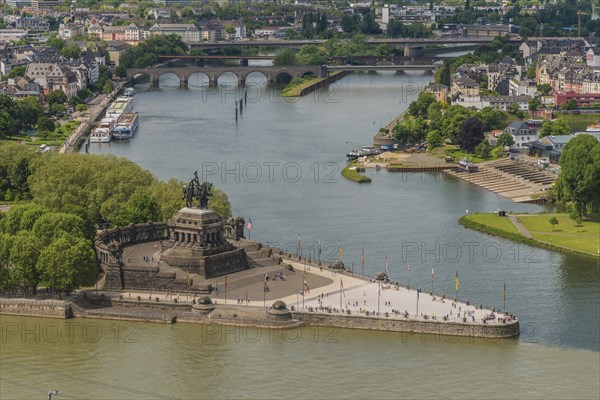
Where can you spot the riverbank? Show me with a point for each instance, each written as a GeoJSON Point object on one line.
{"type": "Point", "coordinates": [351, 172]}
{"type": "Point", "coordinates": [95, 111]}
{"type": "Point", "coordinates": [311, 85]}
{"type": "Point", "coordinates": [536, 230]}
{"type": "Point", "coordinates": [331, 297]}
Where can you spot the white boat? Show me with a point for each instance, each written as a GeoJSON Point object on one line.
{"type": "Point", "coordinates": [120, 106]}
{"type": "Point", "coordinates": [102, 133]}
{"type": "Point", "coordinates": [593, 128]}
{"type": "Point", "coordinates": [128, 92]}
{"type": "Point", "coordinates": [126, 126]}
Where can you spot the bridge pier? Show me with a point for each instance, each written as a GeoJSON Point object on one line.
{"type": "Point", "coordinates": [242, 81]}
{"type": "Point", "coordinates": [200, 62]}
{"type": "Point", "coordinates": [244, 62]}
{"type": "Point", "coordinates": [183, 81]}
{"type": "Point", "coordinates": [154, 81]}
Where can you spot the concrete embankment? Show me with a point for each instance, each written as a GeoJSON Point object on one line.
{"type": "Point", "coordinates": [36, 308]}
{"type": "Point", "coordinates": [152, 310]}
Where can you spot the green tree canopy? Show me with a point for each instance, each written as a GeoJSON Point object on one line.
{"type": "Point", "coordinates": [579, 178]}
{"type": "Point", "coordinates": [67, 263]}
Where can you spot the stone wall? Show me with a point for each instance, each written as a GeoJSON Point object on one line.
{"type": "Point", "coordinates": [36, 308]}
{"type": "Point", "coordinates": [409, 325]}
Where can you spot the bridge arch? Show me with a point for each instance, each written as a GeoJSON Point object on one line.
{"type": "Point", "coordinates": [257, 77]}
{"type": "Point", "coordinates": [165, 75]}
{"type": "Point", "coordinates": [283, 77]}
{"type": "Point", "coordinates": [225, 76]}
{"type": "Point", "coordinates": [198, 79]}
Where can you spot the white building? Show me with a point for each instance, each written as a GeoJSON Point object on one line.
{"type": "Point", "coordinates": [189, 32]}
{"type": "Point", "coordinates": [593, 57]}
{"type": "Point", "coordinates": [521, 133]}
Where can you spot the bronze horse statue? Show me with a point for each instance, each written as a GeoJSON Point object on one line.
{"type": "Point", "coordinates": [198, 191]}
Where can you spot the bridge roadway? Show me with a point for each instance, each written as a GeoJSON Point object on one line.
{"type": "Point", "coordinates": [270, 73]}
{"type": "Point", "coordinates": [408, 43]}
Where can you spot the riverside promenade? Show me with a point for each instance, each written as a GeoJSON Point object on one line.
{"type": "Point", "coordinates": [96, 109]}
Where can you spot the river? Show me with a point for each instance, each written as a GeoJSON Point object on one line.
{"type": "Point", "coordinates": [280, 165]}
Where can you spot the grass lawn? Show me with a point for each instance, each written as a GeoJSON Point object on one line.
{"type": "Point", "coordinates": [580, 122]}
{"type": "Point", "coordinates": [455, 152]}
{"type": "Point", "coordinates": [585, 237]}
{"type": "Point", "coordinates": [493, 220]}
{"type": "Point", "coordinates": [55, 138]}
{"type": "Point", "coordinates": [353, 175]}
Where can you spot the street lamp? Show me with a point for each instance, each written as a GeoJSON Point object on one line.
{"type": "Point", "coordinates": [51, 392]}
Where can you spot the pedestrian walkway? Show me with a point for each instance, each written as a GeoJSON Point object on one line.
{"type": "Point", "coordinates": [515, 221]}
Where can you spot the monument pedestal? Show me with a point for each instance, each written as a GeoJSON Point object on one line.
{"type": "Point", "coordinates": [196, 242]}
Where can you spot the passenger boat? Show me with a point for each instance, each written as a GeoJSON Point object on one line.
{"type": "Point", "coordinates": [128, 92]}
{"type": "Point", "coordinates": [126, 126]}
{"type": "Point", "coordinates": [102, 133]}
{"type": "Point", "coordinates": [593, 128]}
{"type": "Point", "coordinates": [120, 106]}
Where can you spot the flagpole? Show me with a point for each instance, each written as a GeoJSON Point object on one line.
{"type": "Point", "coordinates": [418, 291]}
{"type": "Point", "coordinates": [225, 289]}
{"type": "Point", "coordinates": [432, 280]}
{"type": "Point", "coordinates": [378, 297]}
{"type": "Point", "coordinates": [504, 296]}
{"type": "Point", "coordinates": [341, 290]}
{"type": "Point", "coordinates": [362, 272]}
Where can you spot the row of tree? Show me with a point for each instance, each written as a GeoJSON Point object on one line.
{"type": "Point", "coordinates": [37, 245]}
{"type": "Point", "coordinates": [49, 238]}
{"type": "Point", "coordinates": [146, 53]}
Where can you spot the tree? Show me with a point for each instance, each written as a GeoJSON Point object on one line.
{"type": "Point", "coordinates": [546, 128]}
{"type": "Point", "coordinates": [24, 255]}
{"type": "Point", "coordinates": [560, 127]}
{"type": "Point", "coordinates": [285, 57]}
{"type": "Point", "coordinates": [471, 134]}
{"type": "Point", "coordinates": [435, 139]}
{"type": "Point", "coordinates": [483, 149]}
{"type": "Point", "coordinates": [571, 104]}
{"type": "Point", "coordinates": [108, 87]}
{"type": "Point", "coordinates": [575, 216]}
{"type": "Point", "coordinates": [121, 71]}
{"type": "Point", "coordinates": [513, 108]}
{"type": "Point", "coordinates": [52, 225]}
{"type": "Point", "coordinates": [553, 221]}
{"type": "Point", "coordinates": [579, 178]}
{"type": "Point", "coordinates": [491, 118]}
{"type": "Point", "coordinates": [71, 51]}
{"type": "Point", "coordinates": [533, 104]}
{"type": "Point", "coordinates": [140, 208]}
{"type": "Point", "coordinates": [454, 117]}
{"type": "Point", "coordinates": [544, 88]}
{"type": "Point", "coordinates": [220, 203]}
{"type": "Point", "coordinates": [67, 263]}
{"type": "Point", "coordinates": [506, 140]}
{"type": "Point", "coordinates": [55, 41]}
{"type": "Point", "coordinates": [45, 124]}
{"type": "Point", "coordinates": [56, 97]}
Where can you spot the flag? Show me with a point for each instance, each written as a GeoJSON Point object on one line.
{"type": "Point", "coordinates": [340, 252]}
{"type": "Point", "coordinates": [456, 281]}
{"type": "Point", "coordinates": [408, 265]}
{"type": "Point", "coordinates": [299, 242]}
{"type": "Point", "coordinates": [432, 274]}
{"type": "Point", "coordinates": [249, 224]}
{"type": "Point", "coordinates": [306, 288]}
{"type": "Point", "coordinates": [418, 291]}
{"type": "Point", "coordinates": [342, 287]}
{"type": "Point", "coordinates": [387, 271]}
{"type": "Point", "coordinates": [225, 280]}
{"type": "Point", "coordinates": [363, 256]}
{"type": "Point", "coordinates": [505, 294]}
{"type": "Point", "coordinates": [379, 290]}
{"type": "Point", "coordinates": [187, 275]}
{"type": "Point", "coordinates": [319, 249]}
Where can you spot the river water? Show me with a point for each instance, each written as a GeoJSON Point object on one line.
{"type": "Point", "coordinates": [280, 165]}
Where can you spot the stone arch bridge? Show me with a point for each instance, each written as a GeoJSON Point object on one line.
{"type": "Point", "coordinates": [213, 73]}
